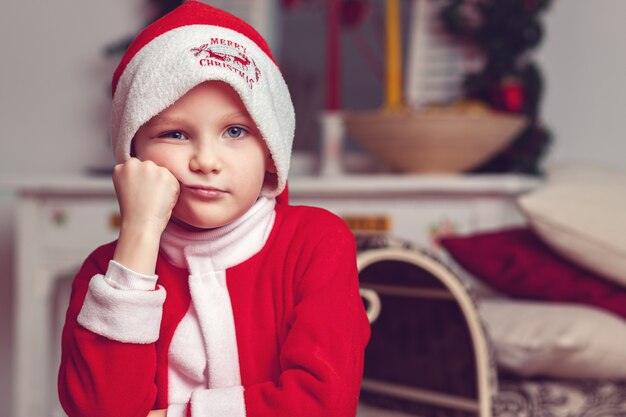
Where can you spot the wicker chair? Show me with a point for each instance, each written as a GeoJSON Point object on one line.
{"type": "Point", "coordinates": [429, 353]}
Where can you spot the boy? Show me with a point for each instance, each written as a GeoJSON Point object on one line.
{"type": "Point", "coordinates": [215, 300]}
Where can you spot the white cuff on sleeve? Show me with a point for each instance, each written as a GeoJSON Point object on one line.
{"type": "Point", "coordinates": [218, 402]}
{"type": "Point", "coordinates": [177, 410]}
{"type": "Point", "coordinates": [125, 315]}
{"type": "Point", "coordinates": [122, 278]}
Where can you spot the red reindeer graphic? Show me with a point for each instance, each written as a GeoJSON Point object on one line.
{"type": "Point", "coordinates": [212, 53]}
{"type": "Point", "coordinates": [242, 60]}
{"type": "Point", "coordinates": [219, 56]}
{"type": "Point", "coordinates": [202, 48]}
{"type": "Point", "coordinates": [228, 55]}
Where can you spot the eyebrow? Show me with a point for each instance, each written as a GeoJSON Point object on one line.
{"type": "Point", "coordinates": [237, 114]}
{"type": "Point", "coordinates": [158, 119]}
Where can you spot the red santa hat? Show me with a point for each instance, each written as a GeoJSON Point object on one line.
{"type": "Point", "coordinates": [192, 44]}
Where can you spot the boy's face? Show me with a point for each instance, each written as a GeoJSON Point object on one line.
{"type": "Point", "coordinates": [209, 142]}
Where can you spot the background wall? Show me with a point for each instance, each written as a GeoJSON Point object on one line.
{"type": "Point", "coordinates": [54, 98]}
{"type": "Point", "coordinates": [54, 95]}
{"type": "Point", "coordinates": [584, 64]}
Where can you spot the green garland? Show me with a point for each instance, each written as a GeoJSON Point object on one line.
{"type": "Point", "coordinates": [504, 31]}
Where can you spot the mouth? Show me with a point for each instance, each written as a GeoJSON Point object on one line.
{"type": "Point", "coordinates": [205, 192]}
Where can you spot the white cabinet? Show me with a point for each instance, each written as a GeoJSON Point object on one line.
{"type": "Point", "coordinates": [418, 208]}
{"type": "Point", "coordinates": [60, 221]}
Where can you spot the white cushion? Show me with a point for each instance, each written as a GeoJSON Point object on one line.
{"type": "Point", "coordinates": [585, 173]}
{"type": "Point", "coordinates": [563, 340]}
{"type": "Point", "coordinates": [581, 214]}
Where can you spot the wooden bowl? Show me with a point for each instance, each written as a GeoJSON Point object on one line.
{"type": "Point", "coordinates": [433, 141]}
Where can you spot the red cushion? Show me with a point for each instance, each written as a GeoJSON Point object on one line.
{"type": "Point", "coordinates": [516, 262]}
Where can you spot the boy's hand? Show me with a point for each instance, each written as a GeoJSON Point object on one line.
{"type": "Point", "coordinates": [157, 413]}
{"type": "Point", "coordinates": [146, 193]}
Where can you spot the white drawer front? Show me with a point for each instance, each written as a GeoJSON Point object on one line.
{"type": "Point", "coordinates": [79, 224]}
{"type": "Point", "coordinates": [422, 220]}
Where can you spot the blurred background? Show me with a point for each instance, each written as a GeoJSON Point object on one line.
{"type": "Point", "coordinates": [58, 58]}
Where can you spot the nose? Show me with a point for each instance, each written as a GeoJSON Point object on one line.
{"type": "Point", "coordinates": [205, 158]}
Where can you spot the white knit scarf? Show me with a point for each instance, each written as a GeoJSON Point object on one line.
{"type": "Point", "coordinates": [203, 352]}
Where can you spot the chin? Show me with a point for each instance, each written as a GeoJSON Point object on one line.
{"type": "Point", "coordinates": [194, 224]}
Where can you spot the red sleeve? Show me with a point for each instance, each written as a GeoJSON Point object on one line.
{"type": "Point", "coordinates": [322, 356]}
{"type": "Point", "coordinates": [99, 376]}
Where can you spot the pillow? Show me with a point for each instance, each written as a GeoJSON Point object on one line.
{"type": "Point", "coordinates": [555, 339]}
{"type": "Point", "coordinates": [581, 213]}
{"type": "Point", "coordinates": [585, 173]}
{"type": "Point", "coordinates": [516, 262]}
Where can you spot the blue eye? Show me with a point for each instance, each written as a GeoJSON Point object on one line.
{"type": "Point", "coordinates": [235, 132]}
{"type": "Point", "coordinates": [174, 135]}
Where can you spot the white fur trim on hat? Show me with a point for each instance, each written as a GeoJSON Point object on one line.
{"type": "Point", "coordinates": [173, 63]}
